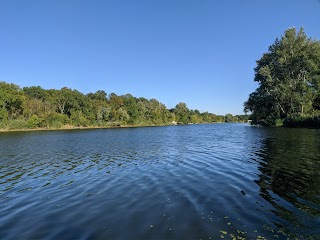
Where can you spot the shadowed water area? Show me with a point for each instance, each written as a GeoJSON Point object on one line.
{"type": "Point", "coordinates": [179, 182]}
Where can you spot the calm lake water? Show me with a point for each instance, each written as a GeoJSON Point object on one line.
{"type": "Point", "coordinates": [176, 182]}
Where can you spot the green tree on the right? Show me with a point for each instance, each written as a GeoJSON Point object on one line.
{"type": "Point", "coordinates": [289, 79]}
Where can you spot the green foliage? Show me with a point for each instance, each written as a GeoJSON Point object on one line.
{"type": "Point", "coordinates": [182, 113]}
{"type": "Point", "coordinates": [278, 122]}
{"type": "Point", "coordinates": [35, 92]}
{"type": "Point", "coordinates": [17, 124]}
{"type": "Point", "coordinates": [243, 118]}
{"type": "Point", "coordinates": [131, 105]}
{"type": "Point", "coordinates": [35, 107]}
{"type": "Point", "coordinates": [230, 118]}
{"type": "Point", "coordinates": [99, 95]}
{"type": "Point", "coordinates": [57, 120]}
{"type": "Point", "coordinates": [35, 122]}
{"type": "Point", "coordinates": [289, 79]}
{"type": "Point", "coordinates": [77, 118]}
{"type": "Point", "coordinates": [303, 120]}
{"type": "Point", "coordinates": [11, 99]}
{"type": "Point", "coordinates": [3, 115]}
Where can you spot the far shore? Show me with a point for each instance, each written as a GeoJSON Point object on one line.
{"type": "Point", "coordinates": [68, 127]}
{"type": "Point", "coordinates": [80, 128]}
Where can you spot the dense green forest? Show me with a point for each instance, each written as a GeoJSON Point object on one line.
{"type": "Point", "coordinates": [35, 107]}
{"type": "Point", "coordinates": [289, 83]}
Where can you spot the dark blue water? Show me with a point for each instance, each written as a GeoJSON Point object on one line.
{"type": "Point", "coordinates": [209, 181]}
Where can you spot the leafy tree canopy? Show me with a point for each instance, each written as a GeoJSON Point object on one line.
{"type": "Point", "coordinates": [289, 79]}
{"type": "Point", "coordinates": [35, 107]}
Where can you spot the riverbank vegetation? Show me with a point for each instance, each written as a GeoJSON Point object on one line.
{"type": "Point", "coordinates": [289, 83]}
{"type": "Point", "coordinates": [38, 108]}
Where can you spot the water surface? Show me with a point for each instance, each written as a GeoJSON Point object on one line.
{"type": "Point", "coordinates": [179, 182]}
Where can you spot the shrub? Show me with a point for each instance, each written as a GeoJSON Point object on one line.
{"type": "Point", "coordinates": [17, 124]}
{"type": "Point", "coordinates": [35, 122]}
{"type": "Point", "coordinates": [278, 122]}
{"type": "Point", "coordinates": [57, 120]}
{"type": "Point", "coordinates": [303, 120]}
{"type": "Point", "coordinates": [3, 115]}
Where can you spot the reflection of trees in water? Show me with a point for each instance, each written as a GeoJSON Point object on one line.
{"type": "Point", "coordinates": [290, 177]}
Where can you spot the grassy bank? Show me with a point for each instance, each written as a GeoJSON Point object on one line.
{"type": "Point", "coordinates": [292, 121]}
{"type": "Point", "coordinates": [303, 121]}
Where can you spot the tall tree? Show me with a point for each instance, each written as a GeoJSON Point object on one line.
{"type": "Point", "coordinates": [182, 112]}
{"type": "Point", "coordinates": [288, 76]}
{"type": "Point", "coordinates": [11, 101]}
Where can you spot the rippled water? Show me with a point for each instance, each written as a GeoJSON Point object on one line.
{"type": "Point", "coordinates": [178, 182]}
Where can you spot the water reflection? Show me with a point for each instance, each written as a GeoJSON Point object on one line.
{"type": "Point", "coordinates": [289, 179]}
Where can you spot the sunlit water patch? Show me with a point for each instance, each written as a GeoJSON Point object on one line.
{"type": "Point", "coordinates": [210, 181]}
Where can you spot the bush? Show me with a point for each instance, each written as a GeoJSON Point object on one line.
{"type": "Point", "coordinates": [269, 121]}
{"type": "Point", "coordinates": [17, 124]}
{"type": "Point", "coordinates": [57, 120]}
{"type": "Point", "coordinates": [3, 115]}
{"type": "Point", "coordinates": [35, 122]}
{"type": "Point", "coordinates": [78, 119]}
{"type": "Point", "coordinates": [303, 120]}
{"type": "Point", "coordinates": [278, 122]}
{"type": "Point", "coordinates": [3, 125]}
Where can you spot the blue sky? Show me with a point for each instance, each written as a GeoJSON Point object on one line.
{"type": "Point", "coordinates": [201, 52]}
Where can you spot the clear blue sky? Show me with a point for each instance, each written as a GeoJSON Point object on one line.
{"type": "Point", "coordinates": [201, 52]}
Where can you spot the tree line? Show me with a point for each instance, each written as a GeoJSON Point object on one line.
{"type": "Point", "coordinates": [289, 83]}
{"type": "Point", "coordinates": [35, 107]}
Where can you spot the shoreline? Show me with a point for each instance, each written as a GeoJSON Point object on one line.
{"type": "Point", "coordinates": [91, 127]}
{"type": "Point", "coordinates": [66, 128]}
{"type": "Point", "coordinates": [80, 128]}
